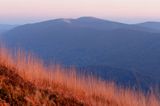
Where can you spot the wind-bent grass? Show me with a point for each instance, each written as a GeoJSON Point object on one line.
{"type": "Point", "coordinates": [84, 88]}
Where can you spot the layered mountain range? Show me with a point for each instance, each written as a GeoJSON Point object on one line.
{"type": "Point", "coordinates": [126, 53]}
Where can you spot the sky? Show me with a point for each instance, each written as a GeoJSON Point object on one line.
{"type": "Point", "coordinates": [128, 11]}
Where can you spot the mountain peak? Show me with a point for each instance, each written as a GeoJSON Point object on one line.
{"type": "Point", "coordinates": [87, 17]}
{"type": "Point", "coordinates": [90, 19]}
{"type": "Point", "coordinates": [66, 20]}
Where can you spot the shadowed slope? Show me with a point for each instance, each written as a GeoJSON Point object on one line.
{"type": "Point", "coordinates": [26, 81]}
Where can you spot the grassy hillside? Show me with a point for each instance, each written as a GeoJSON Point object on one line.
{"type": "Point", "coordinates": [24, 80]}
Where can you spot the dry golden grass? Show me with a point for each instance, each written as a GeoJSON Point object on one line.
{"type": "Point", "coordinates": [86, 89]}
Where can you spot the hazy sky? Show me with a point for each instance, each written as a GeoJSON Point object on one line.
{"type": "Point", "coordinates": [130, 11]}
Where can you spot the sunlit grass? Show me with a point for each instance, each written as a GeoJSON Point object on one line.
{"type": "Point", "coordinates": [84, 88]}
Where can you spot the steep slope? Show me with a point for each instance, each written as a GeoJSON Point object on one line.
{"type": "Point", "coordinates": [25, 81]}
{"type": "Point", "coordinates": [15, 90]}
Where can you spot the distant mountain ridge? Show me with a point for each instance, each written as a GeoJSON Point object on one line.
{"type": "Point", "coordinates": [89, 41]}
{"type": "Point", "coordinates": [96, 23]}
{"type": "Point", "coordinates": [152, 25]}
{"type": "Point", "coordinates": [6, 27]}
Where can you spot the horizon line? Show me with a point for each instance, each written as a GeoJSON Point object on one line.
{"type": "Point", "coordinates": [75, 18]}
